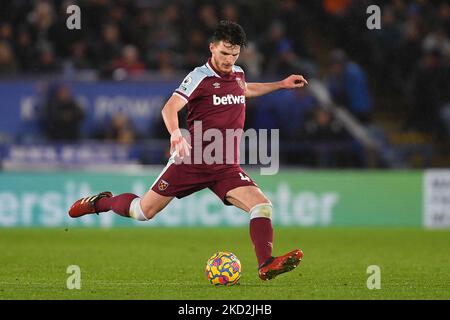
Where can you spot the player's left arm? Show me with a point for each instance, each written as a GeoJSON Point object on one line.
{"type": "Point", "coordinates": [254, 89]}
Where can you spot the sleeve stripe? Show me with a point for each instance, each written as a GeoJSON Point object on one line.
{"type": "Point", "coordinates": [182, 96]}
{"type": "Point", "coordinates": [197, 84]}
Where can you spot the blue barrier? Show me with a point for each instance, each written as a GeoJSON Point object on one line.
{"type": "Point", "coordinates": [140, 101]}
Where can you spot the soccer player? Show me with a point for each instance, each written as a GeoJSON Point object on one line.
{"type": "Point", "coordinates": [215, 94]}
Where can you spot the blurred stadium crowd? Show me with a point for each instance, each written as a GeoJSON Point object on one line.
{"type": "Point", "coordinates": [392, 80]}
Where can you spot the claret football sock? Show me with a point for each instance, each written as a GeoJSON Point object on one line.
{"type": "Point", "coordinates": [261, 231]}
{"type": "Point", "coordinates": [119, 204]}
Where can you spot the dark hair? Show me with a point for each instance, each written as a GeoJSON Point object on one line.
{"type": "Point", "coordinates": [231, 32]}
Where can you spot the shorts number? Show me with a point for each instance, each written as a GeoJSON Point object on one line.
{"type": "Point", "coordinates": [244, 177]}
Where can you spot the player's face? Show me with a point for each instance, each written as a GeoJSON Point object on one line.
{"type": "Point", "coordinates": [224, 55]}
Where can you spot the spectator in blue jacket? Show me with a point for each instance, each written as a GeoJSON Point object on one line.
{"type": "Point", "coordinates": [348, 86]}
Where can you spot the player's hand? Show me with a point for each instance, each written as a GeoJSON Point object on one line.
{"type": "Point", "coordinates": [294, 81]}
{"type": "Point", "coordinates": [179, 145]}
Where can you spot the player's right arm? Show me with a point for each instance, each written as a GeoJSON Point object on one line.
{"type": "Point", "coordinates": [188, 90]}
{"type": "Point", "coordinates": [170, 117]}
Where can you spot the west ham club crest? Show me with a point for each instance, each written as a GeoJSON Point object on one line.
{"type": "Point", "coordinates": [162, 185]}
{"type": "Point", "coordinates": [240, 83]}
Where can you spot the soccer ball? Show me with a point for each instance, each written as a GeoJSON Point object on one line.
{"type": "Point", "coordinates": [223, 269]}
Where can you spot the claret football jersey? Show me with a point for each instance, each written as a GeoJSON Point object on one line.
{"type": "Point", "coordinates": [216, 103]}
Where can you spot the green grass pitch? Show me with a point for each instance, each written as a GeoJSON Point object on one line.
{"type": "Point", "coordinates": [150, 263]}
